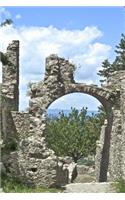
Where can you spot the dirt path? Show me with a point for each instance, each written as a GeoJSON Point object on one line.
{"type": "Point", "coordinates": [90, 188]}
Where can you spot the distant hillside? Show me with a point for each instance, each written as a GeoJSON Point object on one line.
{"type": "Point", "coordinates": [55, 112]}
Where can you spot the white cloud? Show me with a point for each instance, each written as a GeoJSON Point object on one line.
{"type": "Point", "coordinates": [91, 61]}
{"type": "Point", "coordinates": [18, 16]}
{"type": "Point", "coordinates": [36, 43]}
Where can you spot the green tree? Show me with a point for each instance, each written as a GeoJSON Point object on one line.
{"type": "Point", "coordinates": [93, 129]}
{"type": "Point", "coordinates": [118, 63]}
{"type": "Point", "coordinates": [106, 70]}
{"type": "Point", "coordinates": [74, 135]}
{"type": "Point", "coordinates": [6, 22]}
{"type": "Point", "coordinates": [101, 115]}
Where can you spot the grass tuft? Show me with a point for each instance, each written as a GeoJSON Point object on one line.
{"type": "Point", "coordinates": [13, 185]}
{"type": "Point", "coordinates": [120, 186]}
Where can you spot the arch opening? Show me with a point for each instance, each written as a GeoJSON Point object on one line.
{"type": "Point", "coordinates": [76, 100]}
{"type": "Point", "coordinates": [55, 106]}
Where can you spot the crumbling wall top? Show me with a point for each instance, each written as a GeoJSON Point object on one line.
{"type": "Point", "coordinates": [14, 44]}
{"type": "Point", "coordinates": [60, 67]}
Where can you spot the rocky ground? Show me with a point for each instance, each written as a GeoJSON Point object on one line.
{"type": "Point", "coordinates": [90, 188]}
{"type": "Point", "coordinates": [85, 183]}
{"type": "Point", "coordinates": [86, 174]}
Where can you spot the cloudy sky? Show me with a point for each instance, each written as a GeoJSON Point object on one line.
{"type": "Point", "coordinates": [84, 35]}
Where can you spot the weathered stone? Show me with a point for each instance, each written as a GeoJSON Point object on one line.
{"type": "Point", "coordinates": [67, 170]}
{"type": "Point", "coordinates": [72, 169]}
{"type": "Point", "coordinates": [2, 168]}
{"type": "Point", "coordinates": [31, 160]}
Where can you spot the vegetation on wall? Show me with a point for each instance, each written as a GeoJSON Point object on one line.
{"type": "Point", "coordinates": [5, 61]}
{"type": "Point", "coordinates": [3, 58]}
{"type": "Point", "coordinates": [10, 145]}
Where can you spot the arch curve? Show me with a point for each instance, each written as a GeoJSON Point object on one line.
{"type": "Point", "coordinates": [102, 95]}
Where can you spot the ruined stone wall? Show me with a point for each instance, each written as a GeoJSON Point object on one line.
{"type": "Point", "coordinates": [116, 166]}
{"type": "Point", "coordinates": [0, 132]}
{"type": "Point", "coordinates": [31, 160]}
{"type": "Point", "coordinates": [10, 74]}
{"type": "Point", "coordinates": [57, 84]}
{"type": "Point", "coordinates": [10, 88]}
{"type": "Point", "coordinates": [9, 101]}
{"type": "Point", "coordinates": [122, 108]}
{"type": "Point", "coordinates": [115, 159]}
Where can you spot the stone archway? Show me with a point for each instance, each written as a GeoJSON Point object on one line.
{"type": "Point", "coordinates": [58, 82]}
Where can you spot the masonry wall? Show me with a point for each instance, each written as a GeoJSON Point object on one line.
{"type": "Point", "coordinates": [0, 129]}
{"type": "Point", "coordinates": [31, 160]}
{"type": "Point", "coordinates": [10, 74]}
{"type": "Point", "coordinates": [115, 159]}
{"type": "Point", "coordinates": [57, 84]}
{"type": "Point", "coordinates": [10, 89]}
{"type": "Point", "coordinates": [116, 166]}
{"type": "Point", "coordinates": [9, 102]}
{"type": "Point", "coordinates": [122, 106]}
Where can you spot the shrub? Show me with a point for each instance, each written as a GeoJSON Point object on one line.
{"type": "Point", "coordinates": [120, 186]}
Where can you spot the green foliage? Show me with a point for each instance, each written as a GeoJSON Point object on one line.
{"type": "Point", "coordinates": [88, 161]}
{"type": "Point", "coordinates": [119, 62]}
{"type": "Point", "coordinates": [3, 58]}
{"type": "Point", "coordinates": [11, 145]}
{"type": "Point", "coordinates": [74, 135]}
{"type": "Point", "coordinates": [6, 22]}
{"type": "Point", "coordinates": [5, 61]}
{"type": "Point", "coordinates": [13, 185]}
{"type": "Point", "coordinates": [120, 186]}
{"type": "Point", "coordinates": [106, 70]}
{"type": "Point", "coordinates": [101, 115]}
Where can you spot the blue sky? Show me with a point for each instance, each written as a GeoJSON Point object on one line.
{"type": "Point", "coordinates": [108, 19]}
{"type": "Point", "coordinates": [96, 30]}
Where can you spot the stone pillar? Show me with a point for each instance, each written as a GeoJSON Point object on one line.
{"type": "Point", "coordinates": [0, 161]}
{"type": "Point", "coordinates": [0, 134]}
{"type": "Point", "coordinates": [122, 105]}
{"type": "Point", "coordinates": [99, 149]}
{"type": "Point", "coordinates": [115, 147]}
{"type": "Point", "coordinates": [117, 144]}
{"type": "Point", "coordinates": [10, 88]}
{"type": "Point", "coordinates": [10, 75]}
